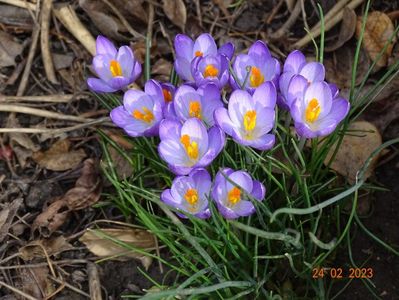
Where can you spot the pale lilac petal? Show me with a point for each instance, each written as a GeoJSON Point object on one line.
{"type": "Point", "coordinates": [258, 190]}
{"type": "Point", "coordinates": [105, 46]}
{"type": "Point", "coordinates": [167, 198]}
{"type": "Point", "coordinates": [265, 120]}
{"type": "Point", "coordinates": [296, 89]}
{"type": "Point", "coordinates": [326, 126]}
{"type": "Point", "coordinates": [101, 66]}
{"type": "Point", "coordinates": [179, 170]}
{"type": "Point", "coordinates": [263, 143]}
{"type": "Point", "coordinates": [183, 68]}
{"type": "Point", "coordinates": [266, 94]}
{"type": "Point", "coordinates": [99, 86]}
{"type": "Point", "coordinates": [270, 69]}
{"type": "Point", "coordinates": [240, 179]}
{"type": "Point", "coordinates": [339, 109]}
{"type": "Point", "coordinates": [211, 100]}
{"type": "Point", "coordinates": [126, 60]}
{"type": "Point", "coordinates": [313, 72]}
{"type": "Point", "coordinates": [172, 152]}
{"type": "Point", "coordinates": [136, 72]}
{"type": "Point", "coordinates": [120, 116]}
{"type": "Point", "coordinates": [184, 47]}
{"type": "Point", "coordinates": [239, 103]}
{"type": "Point", "coordinates": [204, 214]}
{"type": "Point", "coordinates": [322, 92]}
{"type": "Point", "coordinates": [217, 141]}
{"type": "Point", "coordinates": [284, 82]}
{"type": "Point", "coordinates": [119, 82]}
{"type": "Point", "coordinates": [334, 89]}
{"type": "Point", "coordinates": [294, 62]}
{"type": "Point", "coordinates": [227, 212]}
{"type": "Point", "coordinates": [304, 130]}
{"type": "Point", "coordinates": [241, 63]}
{"type": "Point", "coordinates": [259, 52]}
{"type": "Point", "coordinates": [297, 110]}
{"type": "Point", "coordinates": [135, 99]}
{"type": "Point", "coordinates": [196, 130]}
{"type": "Point", "coordinates": [154, 90]}
{"type": "Point", "coordinates": [169, 129]}
{"type": "Point", "coordinates": [227, 50]}
{"type": "Point", "coordinates": [205, 44]}
{"type": "Point", "coordinates": [244, 208]}
{"type": "Point", "coordinates": [202, 180]}
{"type": "Point", "coordinates": [222, 120]}
{"type": "Point", "coordinates": [220, 176]}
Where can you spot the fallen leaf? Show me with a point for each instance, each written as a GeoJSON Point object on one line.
{"type": "Point", "coordinates": [44, 248]}
{"type": "Point", "coordinates": [175, 10]}
{"type": "Point", "coordinates": [7, 215]}
{"type": "Point", "coordinates": [62, 61]}
{"type": "Point", "coordinates": [51, 218]}
{"type": "Point", "coordinates": [35, 282]}
{"type": "Point", "coordinates": [348, 28]}
{"type": "Point", "coordinates": [355, 149]}
{"type": "Point", "coordinates": [103, 243]}
{"type": "Point", "coordinates": [59, 157]}
{"type": "Point", "coordinates": [20, 138]}
{"type": "Point", "coordinates": [6, 152]}
{"type": "Point", "coordinates": [162, 68]}
{"type": "Point", "coordinates": [132, 10]}
{"type": "Point", "coordinates": [9, 50]}
{"type": "Point", "coordinates": [122, 166]}
{"type": "Point", "coordinates": [379, 29]}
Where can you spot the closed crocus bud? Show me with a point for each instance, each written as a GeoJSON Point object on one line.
{"type": "Point", "coordinates": [211, 69]}
{"type": "Point", "coordinates": [116, 69]}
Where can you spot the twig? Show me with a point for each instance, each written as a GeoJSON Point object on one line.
{"type": "Point", "coordinates": [44, 41]}
{"type": "Point", "coordinates": [17, 291]}
{"type": "Point", "coordinates": [123, 20]}
{"type": "Point", "coordinates": [316, 31]}
{"type": "Point", "coordinates": [94, 281]}
{"type": "Point", "coordinates": [290, 21]}
{"type": "Point", "coordinates": [20, 3]}
{"type": "Point", "coordinates": [274, 12]}
{"type": "Point", "coordinates": [56, 98]}
{"type": "Point", "coordinates": [333, 11]}
{"type": "Point", "coordinates": [70, 20]}
{"type": "Point", "coordinates": [71, 287]}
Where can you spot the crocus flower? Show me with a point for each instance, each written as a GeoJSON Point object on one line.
{"type": "Point", "coordinates": [168, 91]}
{"type": "Point", "coordinates": [200, 103]}
{"type": "Point", "coordinates": [255, 68]}
{"type": "Point", "coordinates": [211, 69]}
{"type": "Point", "coordinates": [296, 64]}
{"type": "Point", "coordinates": [249, 119]}
{"type": "Point", "coordinates": [190, 194]}
{"type": "Point", "coordinates": [231, 196]}
{"type": "Point", "coordinates": [141, 111]}
{"type": "Point", "coordinates": [186, 50]}
{"type": "Point", "coordinates": [317, 108]}
{"type": "Point", "coordinates": [116, 68]}
{"type": "Point", "coordinates": [189, 146]}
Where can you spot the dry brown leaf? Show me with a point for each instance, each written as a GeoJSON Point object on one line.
{"type": "Point", "coordinates": [379, 29]}
{"type": "Point", "coordinates": [355, 150]}
{"type": "Point", "coordinates": [122, 166]}
{"type": "Point", "coordinates": [176, 11]}
{"type": "Point", "coordinates": [35, 282]}
{"type": "Point", "coordinates": [100, 243]}
{"type": "Point", "coordinates": [348, 28]}
{"type": "Point", "coordinates": [20, 138]}
{"type": "Point", "coordinates": [44, 248]}
{"type": "Point", "coordinates": [9, 50]}
{"type": "Point", "coordinates": [51, 218]}
{"type": "Point", "coordinates": [58, 157]}
{"type": "Point", "coordinates": [7, 215]}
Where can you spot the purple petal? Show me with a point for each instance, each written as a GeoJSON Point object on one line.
{"type": "Point", "coordinates": [202, 180]}
{"type": "Point", "coordinates": [126, 60]}
{"type": "Point", "coordinates": [183, 68]}
{"type": "Point", "coordinates": [167, 198]}
{"type": "Point", "coordinates": [227, 212]}
{"type": "Point", "coordinates": [326, 126]}
{"type": "Point", "coordinates": [154, 90]}
{"type": "Point", "coordinates": [178, 170]}
{"type": "Point", "coordinates": [339, 109]}
{"type": "Point", "coordinates": [227, 50]}
{"type": "Point", "coordinates": [135, 99]}
{"type": "Point", "coordinates": [211, 100]}
{"type": "Point", "coordinates": [239, 103]}
{"type": "Point", "coordinates": [258, 190]}
{"type": "Point", "coordinates": [217, 141]}
{"type": "Point", "coordinates": [322, 92]}
{"type": "Point", "coordinates": [205, 44]}
{"type": "Point", "coordinates": [265, 120]}
{"type": "Point", "coordinates": [222, 120]}
{"type": "Point", "coordinates": [184, 47]}
{"type": "Point", "coordinates": [294, 62]}
{"type": "Point", "coordinates": [105, 46]}
{"type": "Point", "coordinates": [169, 129]}
{"type": "Point", "coordinates": [241, 62]}
{"type": "Point", "coordinates": [297, 110]}
{"type": "Point", "coordinates": [204, 214]}
{"type": "Point", "coordinates": [265, 142]}
{"type": "Point", "coordinates": [172, 152]}
{"type": "Point", "coordinates": [334, 89]}
{"type": "Point", "coordinates": [244, 208]}
{"type": "Point", "coordinates": [220, 176]}
{"type": "Point", "coordinates": [304, 130]}
{"type": "Point", "coordinates": [136, 72]}
{"type": "Point", "coordinates": [270, 69]}
{"type": "Point", "coordinates": [240, 179]}
{"type": "Point", "coordinates": [196, 130]}
{"type": "Point", "coordinates": [120, 116]}
{"type": "Point", "coordinates": [313, 72]}
{"type": "Point", "coordinates": [119, 82]}
{"type": "Point", "coordinates": [101, 66]}
{"type": "Point", "coordinates": [296, 89]}
{"type": "Point", "coordinates": [259, 52]}
{"type": "Point", "coordinates": [284, 82]}
{"type": "Point", "coordinates": [266, 94]}
{"type": "Point", "coordinates": [99, 86]}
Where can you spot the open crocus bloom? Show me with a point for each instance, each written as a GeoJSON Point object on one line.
{"type": "Point", "coordinates": [211, 69]}
{"type": "Point", "coordinates": [116, 68]}
{"type": "Point", "coordinates": [186, 50]}
{"type": "Point", "coordinates": [190, 194]}
{"type": "Point", "coordinates": [231, 196]}
{"type": "Point", "coordinates": [188, 146]}
{"type": "Point", "coordinates": [255, 68]}
{"type": "Point", "coordinates": [296, 64]}
{"type": "Point", "coordinates": [168, 91]}
{"type": "Point", "coordinates": [141, 111]}
{"type": "Point", "coordinates": [200, 103]}
{"type": "Point", "coordinates": [317, 108]}
{"type": "Point", "coordinates": [249, 119]}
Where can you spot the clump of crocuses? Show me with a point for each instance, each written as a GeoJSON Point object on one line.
{"type": "Point", "coordinates": [193, 119]}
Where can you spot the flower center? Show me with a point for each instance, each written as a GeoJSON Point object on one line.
{"type": "Point", "coordinates": [211, 71]}
{"type": "Point", "coordinates": [198, 53]}
{"type": "Point", "coordinates": [249, 120]}
{"type": "Point", "coordinates": [167, 95]}
{"type": "Point", "coordinates": [190, 147]}
{"type": "Point", "coordinates": [312, 111]}
{"type": "Point", "coordinates": [234, 196]}
{"type": "Point", "coordinates": [115, 68]}
{"type": "Point", "coordinates": [191, 196]}
{"type": "Point", "coordinates": [194, 109]}
{"type": "Point", "coordinates": [256, 77]}
{"type": "Point", "coordinates": [146, 117]}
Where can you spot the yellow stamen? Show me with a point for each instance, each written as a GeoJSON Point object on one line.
{"type": "Point", "coordinates": [191, 196]}
{"type": "Point", "coordinates": [147, 116]}
{"type": "Point", "coordinates": [256, 77]}
{"type": "Point", "coordinates": [190, 147]}
{"type": "Point", "coordinates": [211, 71]}
{"type": "Point", "coordinates": [198, 53]}
{"type": "Point", "coordinates": [234, 195]}
{"type": "Point", "coordinates": [312, 111]}
{"type": "Point", "coordinates": [167, 95]}
{"type": "Point", "coordinates": [115, 68]}
{"type": "Point", "coordinates": [195, 109]}
{"type": "Point", "coordinates": [249, 120]}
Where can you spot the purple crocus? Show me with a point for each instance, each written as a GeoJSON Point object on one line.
{"type": "Point", "coordinates": [255, 68]}
{"type": "Point", "coordinates": [187, 49]}
{"type": "Point", "coordinates": [200, 103]}
{"type": "Point", "coordinates": [116, 68]}
{"type": "Point", "coordinates": [189, 146]}
{"type": "Point", "coordinates": [317, 108]}
{"type": "Point", "coordinates": [296, 64]}
{"type": "Point", "coordinates": [249, 119]}
{"type": "Point", "coordinates": [211, 69]}
{"type": "Point", "coordinates": [231, 195]}
{"type": "Point", "coordinates": [141, 111]}
{"type": "Point", "coordinates": [190, 194]}
{"type": "Point", "coordinates": [168, 91]}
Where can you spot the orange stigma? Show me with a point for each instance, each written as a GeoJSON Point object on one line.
{"type": "Point", "coordinates": [249, 120]}
{"type": "Point", "coordinates": [191, 196]}
{"type": "Point", "coordinates": [234, 196]}
{"type": "Point", "coordinates": [198, 53]}
{"type": "Point", "coordinates": [211, 71]}
{"type": "Point", "coordinates": [190, 147]}
{"type": "Point", "coordinates": [312, 110]}
{"type": "Point", "coordinates": [167, 95]}
{"type": "Point", "coordinates": [146, 117]}
{"type": "Point", "coordinates": [256, 77]}
{"type": "Point", "coordinates": [194, 109]}
{"type": "Point", "coordinates": [115, 68]}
